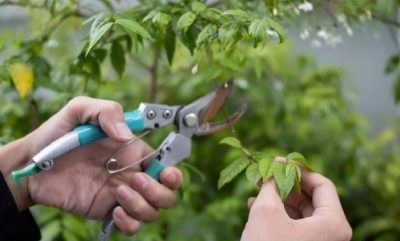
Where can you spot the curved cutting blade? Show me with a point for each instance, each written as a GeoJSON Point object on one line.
{"type": "Point", "coordinates": [220, 96]}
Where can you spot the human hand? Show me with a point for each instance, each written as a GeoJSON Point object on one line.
{"type": "Point", "coordinates": [314, 215]}
{"type": "Point", "coordinates": [79, 183]}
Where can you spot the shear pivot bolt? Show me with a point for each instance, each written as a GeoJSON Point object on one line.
{"type": "Point", "coordinates": [190, 119]}
{"type": "Point", "coordinates": [167, 114]}
{"type": "Point", "coordinates": [46, 165]}
{"type": "Point", "coordinates": [151, 114]}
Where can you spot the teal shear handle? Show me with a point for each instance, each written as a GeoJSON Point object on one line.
{"type": "Point", "coordinates": [108, 226]}
{"type": "Point", "coordinates": [81, 135]}
{"type": "Point", "coordinates": [88, 133]}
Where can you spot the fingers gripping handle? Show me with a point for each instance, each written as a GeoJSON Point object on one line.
{"type": "Point", "coordinates": [81, 135]}
{"type": "Point", "coordinates": [89, 133]}
{"type": "Point", "coordinates": [155, 168]}
{"type": "Point", "coordinates": [108, 226]}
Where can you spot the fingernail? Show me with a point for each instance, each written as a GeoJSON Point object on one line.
{"type": "Point", "coordinates": [124, 193]}
{"type": "Point", "coordinates": [118, 213]}
{"type": "Point", "coordinates": [139, 182]}
{"type": "Point", "coordinates": [123, 131]}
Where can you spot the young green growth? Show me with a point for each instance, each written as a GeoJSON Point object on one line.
{"type": "Point", "coordinates": [286, 172]}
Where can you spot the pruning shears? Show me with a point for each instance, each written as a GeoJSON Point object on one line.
{"type": "Point", "coordinates": [190, 120]}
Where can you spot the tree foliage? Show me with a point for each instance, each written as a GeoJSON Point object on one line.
{"type": "Point", "coordinates": [172, 51]}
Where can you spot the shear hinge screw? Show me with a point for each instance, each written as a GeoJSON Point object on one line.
{"type": "Point", "coordinates": [167, 114]}
{"type": "Point", "coordinates": [46, 165]}
{"type": "Point", "coordinates": [151, 114]}
{"type": "Point", "coordinates": [190, 119]}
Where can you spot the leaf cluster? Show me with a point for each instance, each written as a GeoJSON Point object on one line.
{"type": "Point", "coordinates": [286, 172]}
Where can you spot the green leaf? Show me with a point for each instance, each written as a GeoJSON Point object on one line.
{"type": "Point", "coordinates": [118, 58]}
{"type": "Point", "coordinates": [284, 175]}
{"type": "Point", "coordinates": [4, 75]}
{"type": "Point", "coordinates": [41, 69]}
{"type": "Point", "coordinates": [396, 89]}
{"type": "Point", "coordinates": [157, 17]}
{"type": "Point", "coordinates": [186, 20]}
{"type": "Point", "coordinates": [69, 235]}
{"type": "Point", "coordinates": [278, 28]}
{"type": "Point", "coordinates": [300, 158]}
{"type": "Point", "coordinates": [51, 6]}
{"type": "Point", "coordinates": [272, 4]}
{"type": "Point", "coordinates": [197, 7]}
{"type": "Point", "coordinates": [297, 186]}
{"type": "Point", "coordinates": [170, 43]}
{"type": "Point", "coordinates": [232, 171]}
{"type": "Point", "coordinates": [229, 35]}
{"type": "Point", "coordinates": [253, 173]}
{"type": "Point", "coordinates": [51, 230]}
{"type": "Point", "coordinates": [100, 54]}
{"type": "Point", "coordinates": [212, 15]}
{"type": "Point", "coordinates": [231, 141]}
{"type": "Point", "coordinates": [133, 27]}
{"type": "Point", "coordinates": [150, 15]}
{"type": "Point", "coordinates": [258, 31]}
{"type": "Point", "coordinates": [101, 25]}
{"type": "Point", "coordinates": [108, 4]}
{"type": "Point", "coordinates": [236, 13]}
{"type": "Point", "coordinates": [298, 172]}
{"type": "Point", "coordinates": [264, 165]}
{"type": "Point", "coordinates": [189, 37]}
{"type": "Point", "coordinates": [162, 19]}
{"type": "Point", "coordinates": [392, 64]}
{"type": "Point", "coordinates": [271, 170]}
{"type": "Point", "coordinates": [208, 33]}
{"type": "Point", "coordinates": [194, 170]}
{"type": "Point", "coordinates": [93, 66]}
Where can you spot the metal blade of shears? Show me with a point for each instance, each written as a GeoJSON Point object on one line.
{"type": "Point", "coordinates": [220, 96]}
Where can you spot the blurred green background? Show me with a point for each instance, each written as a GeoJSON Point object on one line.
{"type": "Point", "coordinates": [329, 91]}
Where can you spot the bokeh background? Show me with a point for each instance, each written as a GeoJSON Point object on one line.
{"type": "Point", "coordinates": [329, 91]}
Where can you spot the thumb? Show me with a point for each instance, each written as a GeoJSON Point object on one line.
{"type": "Point", "coordinates": [107, 114]}
{"type": "Point", "coordinates": [268, 199]}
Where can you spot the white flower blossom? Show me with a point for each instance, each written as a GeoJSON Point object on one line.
{"type": "Point", "coordinates": [195, 69]}
{"type": "Point", "coordinates": [296, 11]}
{"type": "Point", "coordinates": [278, 85]}
{"type": "Point", "coordinates": [53, 43]}
{"type": "Point", "coordinates": [341, 18]}
{"type": "Point", "coordinates": [334, 40]}
{"type": "Point", "coordinates": [242, 83]}
{"type": "Point", "coordinates": [322, 33]}
{"type": "Point", "coordinates": [305, 34]}
{"type": "Point", "coordinates": [306, 6]}
{"type": "Point", "coordinates": [349, 30]}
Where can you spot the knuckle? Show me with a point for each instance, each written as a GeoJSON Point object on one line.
{"type": "Point", "coordinates": [137, 207]}
{"type": "Point", "coordinates": [113, 106]}
{"type": "Point", "coordinates": [164, 201]}
{"type": "Point", "coordinates": [75, 102]}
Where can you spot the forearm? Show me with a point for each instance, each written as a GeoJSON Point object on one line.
{"type": "Point", "coordinates": [14, 156]}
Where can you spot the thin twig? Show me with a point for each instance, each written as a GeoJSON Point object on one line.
{"type": "Point", "coordinates": [154, 75]}
{"type": "Point", "coordinates": [77, 12]}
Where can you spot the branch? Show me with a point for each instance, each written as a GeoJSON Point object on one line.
{"type": "Point", "coordinates": [154, 74]}
{"type": "Point", "coordinates": [386, 20]}
{"type": "Point", "coordinates": [77, 12]}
